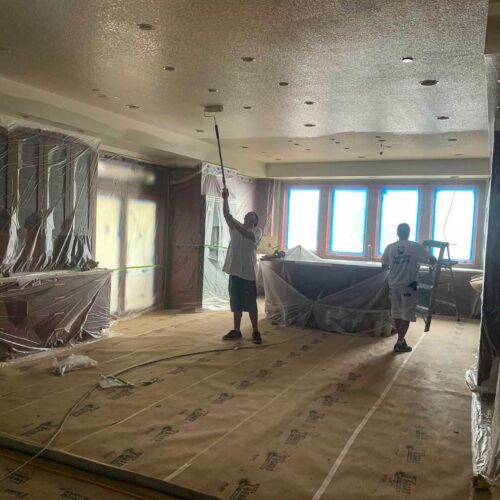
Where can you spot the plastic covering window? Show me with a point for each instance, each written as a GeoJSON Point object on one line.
{"type": "Point", "coordinates": [398, 205]}
{"type": "Point", "coordinates": [454, 221]}
{"type": "Point", "coordinates": [302, 218]}
{"type": "Point", "coordinates": [348, 220]}
{"type": "Point", "coordinates": [129, 237]}
{"type": "Point", "coordinates": [47, 199]}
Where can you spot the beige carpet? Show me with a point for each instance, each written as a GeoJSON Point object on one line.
{"type": "Point", "coordinates": [316, 415]}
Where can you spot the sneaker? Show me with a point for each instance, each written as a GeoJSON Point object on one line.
{"type": "Point", "coordinates": [403, 347]}
{"type": "Point", "coordinates": [232, 335]}
{"type": "Point", "coordinates": [256, 338]}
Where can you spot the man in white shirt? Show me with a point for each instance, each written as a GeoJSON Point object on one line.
{"type": "Point", "coordinates": [241, 265]}
{"type": "Point", "coordinates": [402, 258]}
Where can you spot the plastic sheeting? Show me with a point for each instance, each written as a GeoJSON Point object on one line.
{"type": "Point", "coordinates": [47, 191]}
{"type": "Point", "coordinates": [485, 381]}
{"type": "Point", "coordinates": [200, 235]}
{"type": "Point", "coordinates": [40, 311]}
{"type": "Point", "coordinates": [361, 308]}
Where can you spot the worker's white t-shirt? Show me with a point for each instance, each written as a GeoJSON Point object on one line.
{"type": "Point", "coordinates": [241, 258]}
{"type": "Point", "coordinates": [403, 259]}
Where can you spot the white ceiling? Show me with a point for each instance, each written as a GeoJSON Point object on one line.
{"type": "Point", "coordinates": [344, 55]}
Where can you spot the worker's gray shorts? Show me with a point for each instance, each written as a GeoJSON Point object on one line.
{"type": "Point", "coordinates": [403, 303]}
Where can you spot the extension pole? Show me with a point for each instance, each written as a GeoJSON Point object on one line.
{"type": "Point", "coordinates": [220, 154]}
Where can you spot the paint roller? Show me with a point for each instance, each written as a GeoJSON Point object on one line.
{"type": "Point", "coordinates": [208, 110]}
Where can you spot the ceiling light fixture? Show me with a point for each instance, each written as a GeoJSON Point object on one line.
{"type": "Point", "coordinates": [145, 26]}
{"type": "Point", "coordinates": [389, 147]}
{"type": "Point", "coordinates": [378, 137]}
{"type": "Point", "coordinates": [381, 140]}
{"type": "Point", "coordinates": [244, 147]}
{"type": "Point", "coordinates": [458, 154]}
{"type": "Point", "coordinates": [296, 144]}
{"type": "Point", "coordinates": [199, 130]}
{"type": "Point", "coordinates": [169, 68]}
{"type": "Point", "coordinates": [309, 103]}
{"type": "Point", "coordinates": [407, 59]}
{"type": "Point", "coordinates": [308, 149]}
{"type": "Point", "coordinates": [212, 90]}
{"type": "Point", "coordinates": [428, 83]}
{"type": "Point", "coordinates": [278, 159]}
{"type": "Point", "coordinates": [309, 124]}
{"type": "Point", "coordinates": [283, 84]}
{"type": "Point", "coordinates": [443, 117]}
{"type": "Point", "coordinates": [290, 140]}
{"type": "Point", "coordinates": [452, 140]}
{"type": "Point", "coordinates": [361, 156]}
{"type": "Point", "coordinates": [96, 90]}
{"type": "Point", "coordinates": [132, 106]}
{"type": "Point", "coordinates": [247, 107]}
{"type": "Point", "coordinates": [248, 59]}
{"type": "Point", "coordinates": [337, 142]}
{"type": "Point", "coordinates": [347, 148]}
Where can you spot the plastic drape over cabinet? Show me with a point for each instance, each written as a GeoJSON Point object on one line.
{"type": "Point", "coordinates": [47, 197]}
{"type": "Point", "coordinates": [308, 291]}
{"type": "Point", "coordinates": [40, 311]}
{"type": "Point", "coordinates": [199, 234]}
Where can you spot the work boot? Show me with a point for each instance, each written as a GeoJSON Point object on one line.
{"type": "Point", "coordinates": [256, 338]}
{"type": "Point", "coordinates": [232, 335]}
{"type": "Point", "coordinates": [402, 347]}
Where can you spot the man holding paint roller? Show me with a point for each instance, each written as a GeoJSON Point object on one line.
{"type": "Point", "coordinates": [241, 265]}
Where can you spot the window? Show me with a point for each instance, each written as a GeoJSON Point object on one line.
{"type": "Point", "coordinates": [454, 214]}
{"type": "Point", "coordinates": [397, 205]}
{"type": "Point", "coordinates": [302, 220]}
{"type": "Point", "coordinates": [348, 220]}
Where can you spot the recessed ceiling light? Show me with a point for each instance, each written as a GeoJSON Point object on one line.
{"type": "Point", "coordinates": [199, 130]}
{"type": "Point", "coordinates": [407, 59]}
{"type": "Point", "coordinates": [248, 59]}
{"type": "Point", "coordinates": [212, 90]}
{"type": "Point", "coordinates": [283, 84]}
{"type": "Point", "coordinates": [381, 140]}
{"type": "Point", "coordinates": [389, 147]}
{"type": "Point", "coordinates": [346, 148]}
{"type": "Point", "coordinates": [96, 90]}
{"type": "Point", "coordinates": [244, 147]}
{"type": "Point", "coordinates": [443, 117]}
{"type": "Point", "coordinates": [132, 106]}
{"type": "Point", "coordinates": [247, 107]}
{"type": "Point", "coordinates": [103, 96]}
{"type": "Point", "coordinates": [290, 140]}
{"type": "Point", "coordinates": [452, 140]}
{"type": "Point", "coordinates": [308, 149]}
{"type": "Point", "coordinates": [309, 124]}
{"type": "Point", "coordinates": [295, 143]}
{"type": "Point", "coordinates": [337, 142]}
{"type": "Point", "coordinates": [309, 103]}
{"type": "Point", "coordinates": [145, 26]}
{"type": "Point", "coordinates": [378, 137]}
{"type": "Point", "coordinates": [263, 152]}
{"type": "Point", "coordinates": [428, 83]}
{"type": "Point", "coordinates": [169, 68]}
{"type": "Point", "coordinates": [361, 156]}
{"type": "Point", "coordinates": [458, 154]}
{"type": "Point", "coordinates": [278, 159]}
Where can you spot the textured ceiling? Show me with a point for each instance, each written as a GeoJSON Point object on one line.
{"type": "Point", "coordinates": [343, 55]}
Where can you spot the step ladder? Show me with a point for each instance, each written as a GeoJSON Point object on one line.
{"type": "Point", "coordinates": [428, 283]}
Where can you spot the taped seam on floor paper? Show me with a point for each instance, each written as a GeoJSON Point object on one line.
{"type": "Point", "coordinates": [361, 426]}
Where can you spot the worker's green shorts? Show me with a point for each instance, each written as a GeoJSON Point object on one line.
{"type": "Point", "coordinates": [242, 295]}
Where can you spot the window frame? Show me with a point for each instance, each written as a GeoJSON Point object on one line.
{"type": "Point", "coordinates": [475, 191]}
{"type": "Point", "coordinates": [284, 234]}
{"type": "Point", "coordinates": [378, 234]}
{"type": "Point", "coordinates": [330, 219]}
{"type": "Point", "coordinates": [425, 221]}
